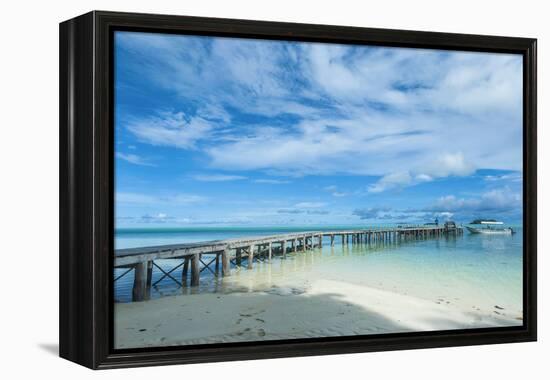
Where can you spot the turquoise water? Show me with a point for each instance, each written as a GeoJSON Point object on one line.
{"type": "Point", "coordinates": [472, 270]}
{"type": "Point", "coordinates": [143, 237]}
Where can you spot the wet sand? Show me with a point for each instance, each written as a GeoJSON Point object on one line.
{"type": "Point", "coordinates": [323, 308]}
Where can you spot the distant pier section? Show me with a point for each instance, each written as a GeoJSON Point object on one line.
{"type": "Point", "coordinates": [243, 252]}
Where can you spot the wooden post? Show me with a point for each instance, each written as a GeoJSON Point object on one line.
{"type": "Point", "coordinates": [283, 248]}
{"type": "Point", "coordinates": [140, 282]}
{"type": "Point", "coordinates": [217, 267]}
{"type": "Point", "coordinates": [149, 279]}
{"type": "Point", "coordinates": [270, 250]}
{"type": "Point", "coordinates": [239, 257]}
{"type": "Point", "coordinates": [295, 245]}
{"type": "Point", "coordinates": [226, 269]}
{"type": "Point", "coordinates": [250, 256]}
{"type": "Point", "coordinates": [184, 271]}
{"type": "Point", "coordinates": [320, 240]}
{"type": "Point", "coordinates": [332, 240]}
{"type": "Point", "coordinates": [195, 269]}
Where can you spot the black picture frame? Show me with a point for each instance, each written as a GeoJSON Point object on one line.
{"type": "Point", "coordinates": [86, 189]}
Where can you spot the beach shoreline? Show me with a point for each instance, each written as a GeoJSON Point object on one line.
{"type": "Point", "coordinates": [324, 308]}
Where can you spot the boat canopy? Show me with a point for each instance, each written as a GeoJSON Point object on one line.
{"type": "Point", "coordinates": [486, 221]}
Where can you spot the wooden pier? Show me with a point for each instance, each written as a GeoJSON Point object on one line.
{"type": "Point", "coordinates": [197, 258]}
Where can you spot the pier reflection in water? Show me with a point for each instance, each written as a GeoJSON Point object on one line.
{"type": "Point", "coordinates": [168, 277]}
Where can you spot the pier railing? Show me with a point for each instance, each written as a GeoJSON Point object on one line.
{"type": "Point", "coordinates": [199, 257]}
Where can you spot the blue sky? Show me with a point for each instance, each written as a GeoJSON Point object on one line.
{"type": "Point", "coordinates": [221, 131]}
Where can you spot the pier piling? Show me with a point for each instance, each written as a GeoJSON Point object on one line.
{"type": "Point", "coordinates": [225, 263]}
{"type": "Point", "coordinates": [195, 269]}
{"type": "Point", "coordinates": [250, 256]}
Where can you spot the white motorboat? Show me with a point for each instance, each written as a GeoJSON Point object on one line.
{"type": "Point", "coordinates": [489, 227]}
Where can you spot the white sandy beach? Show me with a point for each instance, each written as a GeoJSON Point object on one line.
{"type": "Point", "coordinates": [322, 309]}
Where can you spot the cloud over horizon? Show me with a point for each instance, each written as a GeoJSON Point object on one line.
{"type": "Point", "coordinates": [356, 127]}
{"type": "Point", "coordinates": [387, 112]}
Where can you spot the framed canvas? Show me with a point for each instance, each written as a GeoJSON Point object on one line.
{"type": "Point", "coordinates": [235, 189]}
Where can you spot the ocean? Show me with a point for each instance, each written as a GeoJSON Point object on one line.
{"type": "Point", "coordinates": [474, 271]}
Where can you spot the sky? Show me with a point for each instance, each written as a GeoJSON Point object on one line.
{"type": "Point", "coordinates": [247, 132]}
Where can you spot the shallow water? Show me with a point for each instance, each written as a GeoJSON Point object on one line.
{"type": "Point", "coordinates": [473, 271]}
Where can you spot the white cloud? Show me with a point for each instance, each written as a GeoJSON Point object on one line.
{"type": "Point", "coordinates": [271, 181]}
{"type": "Point", "coordinates": [512, 177]}
{"type": "Point", "coordinates": [391, 181]}
{"type": "Point", "coordinates": [394, 113]}
{"type": "Point", "coordinates": [445, 165]}
{"type": "Point", "coordinates": [133, 159]}
{"type": "Point", "coordinates": [339, 194]}
{"type": "Point", "coordinates": [450, 164]}
{"type": "Point", "coordinates": [496, 200]}
{"type": "Point", "coordinates": [444, 215]}
{"type": "Point", "coordinates": [171, 129]}
{"type": "Point", "coordinates": [146, 199]}
{"type": "Point", "coordinates": [423, 177]}
{"type": "Point", "coordinates": [218, 177]}
{"type": "Point", "coordinates": [335, 192]}
{"type": "Point", "coordinates": [372, 213]}
{"type": "Point", "coordinates": [502, 203]}
{"type": "Point", "coordinates": [310, 205]}
{"type": "Point", "coordinates": [156, 218]}
{"type": "Point", "coordinates": [302, 211]}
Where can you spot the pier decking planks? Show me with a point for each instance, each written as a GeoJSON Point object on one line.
{"type": "Point", "coordinates": [141, 259]}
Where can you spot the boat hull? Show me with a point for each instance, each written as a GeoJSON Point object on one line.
{"type": "Point", "coordinates": [490, 231]}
